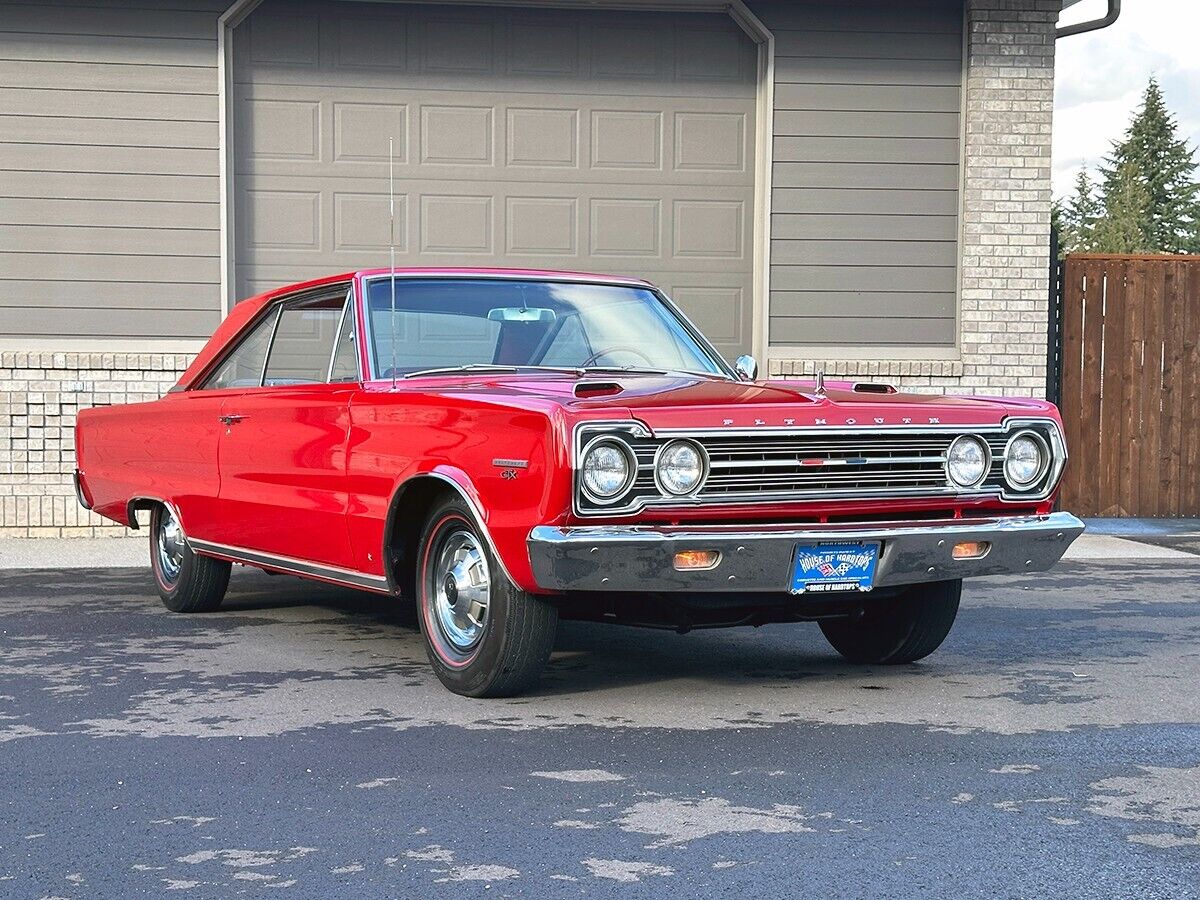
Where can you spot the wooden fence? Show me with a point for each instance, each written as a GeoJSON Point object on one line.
{"type": "Point", "coordinates": [1131, 385]}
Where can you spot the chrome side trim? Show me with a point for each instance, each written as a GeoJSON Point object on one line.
{"type": "Point", "coordinates": [480, 522]}
{"type": "Point", "coordinates": [348, 577]}
{"type": "Point", "coordinates": [759, 558]}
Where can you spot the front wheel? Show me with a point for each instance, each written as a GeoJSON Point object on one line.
{"type": "Point", "coordinates": [485, 637]}
{"type": "Point", "coordinates": [187, 582]}
{"type": "Point", "coordinates": [902, 630]}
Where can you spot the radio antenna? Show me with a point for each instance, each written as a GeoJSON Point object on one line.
{"type": "Point", "coordinates": [392, 250]}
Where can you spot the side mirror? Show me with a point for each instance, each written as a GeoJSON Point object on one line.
{"type": "Point", "coordinates": [746, 368]}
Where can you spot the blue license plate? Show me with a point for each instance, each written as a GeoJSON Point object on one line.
{"type": "Point", "coordinates": [834, 568]}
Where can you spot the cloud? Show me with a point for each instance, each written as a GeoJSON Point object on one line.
{"type": "Point", "coordinates": [1100, 77]}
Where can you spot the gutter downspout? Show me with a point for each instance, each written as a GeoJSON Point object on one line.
{"type": "Point", "coordinates": [1114, 11]}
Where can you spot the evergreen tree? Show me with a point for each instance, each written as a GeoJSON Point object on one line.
{"type": "Point", "coordinates": [1076, 218]}
{"type": "Point", "coordinates": [1126, 226]}
{"type": "Point", "coordinates": [1164, 163]}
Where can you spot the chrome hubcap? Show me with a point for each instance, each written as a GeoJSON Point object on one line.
{"type": "Point", "coordinates": [462, 587]}
{"type": "Point", "coordinates": [170, 545]}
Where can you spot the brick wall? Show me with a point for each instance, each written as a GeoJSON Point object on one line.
{"type": "Point", "coordinates": [40, 395]}
{"type": "Point", "coordinates": [1005, 256]}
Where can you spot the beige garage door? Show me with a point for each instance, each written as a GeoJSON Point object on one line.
{"type": "Point", "coordinates": [608, 141]}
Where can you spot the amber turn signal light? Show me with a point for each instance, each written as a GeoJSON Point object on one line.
{"type": "Point", "coordinates": [696, 559]}
{"type": "Point", "coordinates": [971, 549]}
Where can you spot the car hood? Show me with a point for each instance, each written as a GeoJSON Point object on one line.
{"type": "Point", "coordinates": [682, 401]}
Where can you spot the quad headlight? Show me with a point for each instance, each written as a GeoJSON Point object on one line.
{"type": "Point", "coordinates": [967, 461]}
{"type": "Point", "coordinates": [680, 468]}
{"type": "Point", "coordinates": [608, 470]}
{"type": "Point", "coordinates": [1025, 459]}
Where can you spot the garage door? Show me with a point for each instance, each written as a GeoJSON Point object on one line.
{"type": "Point", "coordinates": [608, 141]}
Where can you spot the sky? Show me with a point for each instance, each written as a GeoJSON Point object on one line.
{"type": "Point", "coordinates": [1101, 75]}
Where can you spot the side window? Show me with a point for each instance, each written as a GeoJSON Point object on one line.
{"type": "Point", "coordinates": [244, 366]}
{"type": "Point", "coordinates": [344, 366]}
{"type": "Point", "coordinates": [303, 342]}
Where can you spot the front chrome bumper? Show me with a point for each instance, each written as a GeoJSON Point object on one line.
{"type": "Point", "coordinates": [759, 558]}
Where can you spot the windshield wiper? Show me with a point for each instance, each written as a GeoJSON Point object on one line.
{"type": "Point", "coordinates": [639, 370]}
{"type": "Point", "coordinates": [632, 370]}
{"type": "Point", "coordinates": [578, 371]}
{"type": "Point", "coordinates": [469, 367]}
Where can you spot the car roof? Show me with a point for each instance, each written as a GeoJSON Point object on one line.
{"type": "Point", "coordinates": [494, 272]}
{"type": "Point", "coordinates": [247, 309]}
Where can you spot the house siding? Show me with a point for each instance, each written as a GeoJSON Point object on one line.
{"type": "Point", "coordinates": [109, 194]}
{"type": "Point", "coordinates": [865, 184]}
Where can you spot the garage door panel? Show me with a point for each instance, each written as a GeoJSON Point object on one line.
{"type": "Point", "coordinates": [706, 141]}
{"type": "Point", "coordinates": [280, 130]}
{"type": "Point", "coordinates": [612, 222]}
{"type": "Point", "coordinates": [541, 226]}
{"type": "Point", "coordinates": [542, 137]}
{"type": "Point", "coordinates": [364, 132]}
{"type": "Point", "coordinates": [524, 187]}
{"type": "Point", "coordinates": [602, 141]}
{"type": "Point", "coordinates": [456, 135]}
{"type": "Point", "coordinates": [281, 219]}
{"type": "Point", "coordinates": [439, 48]}
{"type": "Point", "coordinates": [539, 48]}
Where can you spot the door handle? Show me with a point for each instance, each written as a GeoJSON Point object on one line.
{"type": "Point", "coordinates": [229, 420]}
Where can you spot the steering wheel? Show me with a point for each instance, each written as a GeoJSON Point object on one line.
{"type": "Point", "coordinates": [608, 350]}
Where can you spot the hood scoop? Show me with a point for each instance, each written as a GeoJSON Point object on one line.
{"type": "Point", "coordinates": [588, 389]}
{"type": "Point", "coordinates": [869, 387]}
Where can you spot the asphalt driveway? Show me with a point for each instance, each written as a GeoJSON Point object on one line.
{"type": "Point", "coordinates": [296, 744]}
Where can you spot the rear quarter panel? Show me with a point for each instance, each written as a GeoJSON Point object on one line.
{"type": "Point", "coordinates": [164, 449]}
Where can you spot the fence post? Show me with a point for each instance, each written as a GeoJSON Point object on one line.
{"type": "Point", "coordinates": [1054, 324]}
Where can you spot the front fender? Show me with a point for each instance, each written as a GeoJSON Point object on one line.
{"type": "Point", "coordinates": [457, 480]}
{"type": "Point", "coordinates": [509, 465]}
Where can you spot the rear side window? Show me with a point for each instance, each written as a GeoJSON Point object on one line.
{"type": "Point", "coordinates": [345, 354]}
{"type": "Point", "coordinates": [244, 366]}
{"type": "Point", "coordinates": [303, 343]}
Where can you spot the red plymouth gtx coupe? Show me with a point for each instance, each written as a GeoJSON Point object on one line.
{"type": "Point", "coordinates": [506, 447]}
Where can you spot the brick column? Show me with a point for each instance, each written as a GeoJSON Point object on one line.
{"type": "Point", "coordinates": [1006, 196]}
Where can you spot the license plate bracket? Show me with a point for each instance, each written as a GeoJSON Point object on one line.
{"type": "Point", "coordinates": [834, 567]}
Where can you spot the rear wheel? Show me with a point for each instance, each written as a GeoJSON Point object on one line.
{"type": "Point", "coordinates": [485, 637]}
{"type": "Point", "coordinates": [186, 581]}
{"type": "Point", "coordinates": [901, 630]}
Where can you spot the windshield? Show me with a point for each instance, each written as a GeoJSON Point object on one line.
{"type": "Point", "coordinates": [457, 323]}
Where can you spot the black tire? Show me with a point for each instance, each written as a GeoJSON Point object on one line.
{"type": "Point", "coordinates": [513, 637]}
{"type": "Point", "coordinates": [901, 630]}
{"type": "Point", "coordinates": [198, 584]}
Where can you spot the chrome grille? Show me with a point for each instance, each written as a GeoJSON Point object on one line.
{"type": "Point", "coordinates": [826, 463]}
{"type": "Point", "coordinates": [796, 465]}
